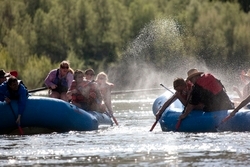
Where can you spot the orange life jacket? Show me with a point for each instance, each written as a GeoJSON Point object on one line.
{"type": "Point", "coordinates": [210, 83]}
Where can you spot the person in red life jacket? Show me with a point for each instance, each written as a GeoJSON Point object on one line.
{"type": "Point", "coordinates": [13, 90]}
{"type": "Point", "coordinates": [59, 81]}
{"type": "Point", "coordinates": [183, 90]}
{"type": "Point", "coordinates": [83, 93]}
{"type": "Point", "coordinates": [206, 90]}
{"type": "Point", "coordinates": [105, 88]}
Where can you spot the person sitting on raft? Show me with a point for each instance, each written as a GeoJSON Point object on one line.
{"type": "Point", "coordinates": [182, 93]}
{"type": "Point", "coordinates": [84, 94]}
{"type": "Point", "coordinates": [59, 80]}
{"type": "Point", "coordinates": [206, 90]}
{"type": "Point", "coordinates": [14, 90]}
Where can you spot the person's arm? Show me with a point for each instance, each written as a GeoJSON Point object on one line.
{"type": "Point", "coordinates": [23, 96]}
{"type": "Point", "coordinates": [238, 92]}
{"type": "Point", "coordinates": [165, 105]}
{"type": "Point", "coordinates": [188, 109]}
{"type": "Point", "coordinates": [50, 77]}
{"type": "Point", "coordinates": [70, 78]}
{"type": "Point", "coordinates": [241, 105]}
{"type": "Point", "coordinates": [180, 97]}
{"type": "Point", "coordinates": [107, 99]}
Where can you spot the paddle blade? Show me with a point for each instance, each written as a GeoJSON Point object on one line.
{"type": "Point", "coordinates": [224, 120]}
{"type": "Point", "coordinates": [178, 124]}
{"type": "Point", "coordinates": [114, 119]}
{"type": "Point", "coordinates": [20, 130]}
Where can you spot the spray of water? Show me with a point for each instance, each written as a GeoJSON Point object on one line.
{"type": "Point", "coordinates": [157, 55]}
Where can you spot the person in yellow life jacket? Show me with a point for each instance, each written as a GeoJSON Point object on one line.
{"type": "Point", "coordinates": [84, 93]}
{"type": "Point", "coordinates": [206, 90]}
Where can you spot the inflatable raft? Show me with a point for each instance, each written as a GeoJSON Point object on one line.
{"type": "Point", "coordinates": [51, 114]}
{"type": "Point", "coordinates": [200, 121]}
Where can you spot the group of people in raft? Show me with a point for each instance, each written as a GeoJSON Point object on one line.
{"type": "Point", "coordinates": [202, 91]}
{"type": "Point", "coordinates": [77, 87]}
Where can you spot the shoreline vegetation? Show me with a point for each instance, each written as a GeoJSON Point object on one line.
{"type": "Point", "coordinates": [136, 42]}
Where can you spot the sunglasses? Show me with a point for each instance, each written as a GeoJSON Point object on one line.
{"type": "Point", "coordinates": [65, 67]}
{"type": "Point", "coordinates": [101, 78]}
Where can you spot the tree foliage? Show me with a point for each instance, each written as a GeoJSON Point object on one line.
{"type": "Point", "coordinates": [102, 34]}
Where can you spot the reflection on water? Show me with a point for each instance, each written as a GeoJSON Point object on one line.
{"type": "Point", "coordinates": [129, 144]}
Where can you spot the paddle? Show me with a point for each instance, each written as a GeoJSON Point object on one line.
{"type": "Point", "coordinates": [223, 121]}
{"type": "Point", "coordinates": [111, 116]}
{"type": "Point", "coordinates": [178, 124]}
{"type": "Point", "coordinates": [18, 125]}
{"type": "Point", "coordinates": [153, 126]}
{"type": "Point", "coordinates": [134, 91]}
{"type": "Point", "coordinates": [167, 88]}
{"type": "Point", "coordinates": [37, 89]}
{"type": "Point", "coordinates": [242, 104]}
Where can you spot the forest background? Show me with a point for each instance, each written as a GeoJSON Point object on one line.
{"type": "Point", "coordinates": [138, 43]}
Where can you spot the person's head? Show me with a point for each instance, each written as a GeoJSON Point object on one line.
{"type": "Point", "coordinates": [101, 77]}
{"type": "Point", "coordinates": [3, 76]}
{"type": "Point", "coordinates": [179, 84]}
{"type": "Point", "coordinates": [89, 74]}
{"type": "Point", "coordinates": [78, 75]}
{"type": "Point", "coordinates": [193, 75]}
{"type": "Point", "coordinates": [65, 67]}
{"type": "Point", "coordinates": [12, 83]}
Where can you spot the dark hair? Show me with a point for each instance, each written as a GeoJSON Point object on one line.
{"type": "Point", "coordinates": [77, 72]}
{"type": "Point", "coordinates": [179, 82]}
{"type": "Point", "coordinates": [11, 80]}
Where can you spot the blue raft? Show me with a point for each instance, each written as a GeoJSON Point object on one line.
{"type": "Point", "coordinates": [52, 114]}
{"type": "Point", "coordinates": [200, 121]}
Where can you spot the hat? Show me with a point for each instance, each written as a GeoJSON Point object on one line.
{"type": "Point", "coordinates": [3, 74]}
{"type": "Point", "coordinates": [247, 74]}
{"type": "Point", "coordinates": [193, 72]}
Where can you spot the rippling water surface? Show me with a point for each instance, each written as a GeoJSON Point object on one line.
{"type": "Point", "coordinates": [129, 144]}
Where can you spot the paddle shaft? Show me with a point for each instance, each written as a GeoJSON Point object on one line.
{"type": "Point", "coordinates": [153, 126]}
{"type": "Point", "coordinates": [18, 125]}
{"type": "Point", "coordinates": [167, 88]}
{"type": "Point", "coordinates": [37, 89]}
{"type": "Point", "coordinates": [179, 121]}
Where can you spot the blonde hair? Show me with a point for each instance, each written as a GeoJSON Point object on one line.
{"type": "Point", "coordinates": [102, 74]}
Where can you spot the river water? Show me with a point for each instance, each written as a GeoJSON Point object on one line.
{"type": "Point", "coordinates": [129, 144]}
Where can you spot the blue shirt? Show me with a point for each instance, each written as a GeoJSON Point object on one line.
{"type": "Point", "coordinates": [21, 92]}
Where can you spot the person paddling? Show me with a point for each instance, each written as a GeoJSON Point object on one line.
{"type": "Point", "coordinates": [182, 92]}
{"type": "Point", "coordinates": [13, 90]}
{"type": "Point", "coordinates": [59, 80]}
{"type": "Point", "coordinates": [207, 90]}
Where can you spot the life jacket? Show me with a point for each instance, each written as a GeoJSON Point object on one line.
{"type": "Point", "coordinates": [62, 84]}
{"type": "Point", "coordinates": [210, 83]}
